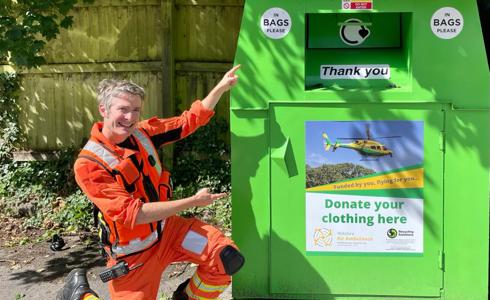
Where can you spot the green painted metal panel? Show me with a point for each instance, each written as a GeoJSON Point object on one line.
{"type": "Point", "coordinates": [294, 270]}
{"type": "Point", "coordinates": [442, 82]}
{"type": "Point", "coordinates": [432, 69]}
{"type": "Point", "coordinates": [466, 208]}
{"type": "Point", "coordinates": [323, 30]}
{"type": "Point", "coordinates": [251, 206]}
{"type": "Point", "coordinates": [278, 65]}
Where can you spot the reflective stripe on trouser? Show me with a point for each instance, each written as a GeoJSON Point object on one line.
{"type": "Point", "coordinates": [198, 289]}
{"type": "Point", "coordinates": [182, 240]}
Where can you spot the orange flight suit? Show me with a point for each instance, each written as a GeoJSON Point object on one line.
{"type": "Point", "coordinates": [118, 179]}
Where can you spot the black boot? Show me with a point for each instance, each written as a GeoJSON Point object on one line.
{"type": "Point", "coordinates": [179, 293]}
{"type": "Point", "coordinates": [76, 285]}
{"type": "Point", "coordinates": [57, 243]}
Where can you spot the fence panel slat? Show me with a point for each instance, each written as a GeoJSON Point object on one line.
{"type": "Point", "coordinates": [124, 39]}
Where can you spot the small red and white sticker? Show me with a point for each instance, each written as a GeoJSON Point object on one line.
{"type": "Point", "coordinates": [357, 4]}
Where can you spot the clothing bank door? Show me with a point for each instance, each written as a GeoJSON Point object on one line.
{"type": "Point", "coordinates": [356, 199]}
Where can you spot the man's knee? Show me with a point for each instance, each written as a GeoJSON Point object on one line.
{"type": "Point", "coordinates": [232, 260]}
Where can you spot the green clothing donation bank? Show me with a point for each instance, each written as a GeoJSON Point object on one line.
{"type": "Point", "coordinates": [359, 136]}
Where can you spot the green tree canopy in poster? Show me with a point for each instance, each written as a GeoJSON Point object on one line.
{"type": "Point", "coordinates": [326, 174]}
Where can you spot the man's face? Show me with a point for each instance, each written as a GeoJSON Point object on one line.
{"type": "Point", "coordinates": [122, 117]}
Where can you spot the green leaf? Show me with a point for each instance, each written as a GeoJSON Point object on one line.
{"type": "Point", "coordinates": [14, 34]}
{"type": "Point", "coordinates": [65, 6]}
{"type": "Point", "coordinates": [67, 22]}
{"type": "Point", "coordinates": [25, 24]}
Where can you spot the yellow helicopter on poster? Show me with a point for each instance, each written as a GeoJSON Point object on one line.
{"type": "Point", "coordinates": [365, 146]}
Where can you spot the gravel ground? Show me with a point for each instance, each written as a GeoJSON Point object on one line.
{"type": "Point", "coordinates": [35, 272]}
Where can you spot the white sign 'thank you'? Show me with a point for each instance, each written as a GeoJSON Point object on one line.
{"type": "Point", "coordinates": [275, 23]}
{"type": "Point", "coordinates": [332, 72]}
{"type": "Point", "coordinates": [447, 23]}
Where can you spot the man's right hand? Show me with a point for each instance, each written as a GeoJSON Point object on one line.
{"type": "Point", "coordinates": [156, 211]}
{"type": "Point", "coordinates": [203, 197]}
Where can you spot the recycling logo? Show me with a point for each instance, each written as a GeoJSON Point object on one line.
{"type": "Point", "coordinates": [353, 33]}
{"type": "Point", "coordinates": [392, 233]}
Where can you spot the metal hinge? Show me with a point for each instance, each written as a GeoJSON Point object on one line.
{"type": "Point", "coordinates": [442, 141]}
{"type": "Point", "coordinates": [441, 260]}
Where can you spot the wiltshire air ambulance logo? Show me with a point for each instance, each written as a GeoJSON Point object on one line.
{"type": "Point", "coordinates": [392, 233]}
{"type": "Point", "coordinates": [353, 32]}
{"type": "Point", "coordinates": [323, 237]}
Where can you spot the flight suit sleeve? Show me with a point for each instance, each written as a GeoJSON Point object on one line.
{"type": "Point", "coordinates": [115, 203]}
{"type": "Point", "coordinates": [165, 131]}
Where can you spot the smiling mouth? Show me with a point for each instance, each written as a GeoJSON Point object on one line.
{"type": "Point", "coordinates": [127, 126]}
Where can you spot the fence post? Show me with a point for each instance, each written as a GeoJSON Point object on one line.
{"type": "Point", "coordinates": [168, 69]}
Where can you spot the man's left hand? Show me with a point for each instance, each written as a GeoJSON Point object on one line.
{"type": "Point", "coordinates": [229, 80]}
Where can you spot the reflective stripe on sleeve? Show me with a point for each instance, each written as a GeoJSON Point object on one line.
{"type": "Point", "coordinates": [136, 245]}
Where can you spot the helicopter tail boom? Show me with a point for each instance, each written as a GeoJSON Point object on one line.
{"type": "Point", "coordinates": [327, 143]}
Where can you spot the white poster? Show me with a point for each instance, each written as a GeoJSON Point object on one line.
{"type": "Point", "coordinates": [342, 223]}
{"type": "Point", "coordinates": [364, 187]}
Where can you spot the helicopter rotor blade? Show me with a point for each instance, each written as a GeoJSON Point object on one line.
{"type": "Point", "coordinates": [371, 138]}
{"type": "Point", "coordinates": [386, 137]}
{"type": "Point", "coordinates": [368, 133]}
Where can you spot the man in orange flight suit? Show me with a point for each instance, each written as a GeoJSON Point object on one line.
{"type": "Point", "coordinates": [120, 172]}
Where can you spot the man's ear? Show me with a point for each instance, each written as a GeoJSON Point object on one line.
{"type": "Point", "coordinates": [102, 111]}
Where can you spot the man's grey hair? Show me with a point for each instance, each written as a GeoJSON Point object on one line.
{"type": "Point", "coordinates": [109, 88]}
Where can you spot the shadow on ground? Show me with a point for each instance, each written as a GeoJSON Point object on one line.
{"type": "Point", "coordinates": [58, 266]}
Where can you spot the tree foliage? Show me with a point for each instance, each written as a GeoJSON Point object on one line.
{"type": "Point", "coordinates": [26, 26]}
{"type": "Point", "coordinates": [10, 134]}
{"type": "Point", "coordinates": [326, 174]}
{"type": "Point", "coordinates": [203, 159]}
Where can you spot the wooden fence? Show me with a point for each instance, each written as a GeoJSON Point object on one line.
{"type": "Point", "coordinates": [176, 49]}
